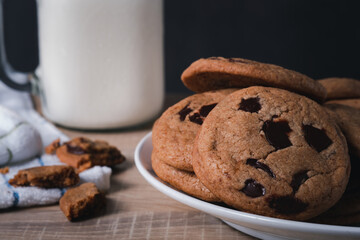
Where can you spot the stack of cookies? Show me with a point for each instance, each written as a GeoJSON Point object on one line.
{"type": "Point", "coordinates": [256, 138]}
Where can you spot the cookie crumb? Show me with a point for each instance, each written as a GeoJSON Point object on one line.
{"type": "Point", "coordinates": [4, 170]}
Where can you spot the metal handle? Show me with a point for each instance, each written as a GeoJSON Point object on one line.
{"type": "Point", "coordinates": [14, 79]}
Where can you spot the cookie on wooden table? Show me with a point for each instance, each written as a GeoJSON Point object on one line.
{"type": "Point", "coordinates": [272, 152]}
{"type": "Point", "coordinates": [174, 132]}
{"type": "Point", "coordinates": [218, 72]}
{"type": "Point", "coordinates": [82, 202]}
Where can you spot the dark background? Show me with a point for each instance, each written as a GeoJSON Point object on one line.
{"type": "Point", "coordinates": [318, 38]}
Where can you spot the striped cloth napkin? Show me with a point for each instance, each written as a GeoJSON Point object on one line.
{"type": "Point", "coordinates": [30, 196]}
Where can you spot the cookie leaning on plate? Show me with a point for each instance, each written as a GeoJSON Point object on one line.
{"type": "Point", "coordinates": [182, 180]}
{"type": "Point", "coordinates": [174, 132]}
{"type": "Point", "coordinates": [272, 152]}
{"type": "Point", "coordinates": [218, 72]}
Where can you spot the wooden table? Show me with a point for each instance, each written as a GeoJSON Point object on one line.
{"type": "Point", "coordinates": [135, 210]}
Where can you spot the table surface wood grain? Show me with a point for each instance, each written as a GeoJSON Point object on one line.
{"type": "Point", "coordinates": [135, 210]}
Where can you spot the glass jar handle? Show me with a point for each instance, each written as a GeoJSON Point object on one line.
{"type": "Point", "coordinates": [17, 80]}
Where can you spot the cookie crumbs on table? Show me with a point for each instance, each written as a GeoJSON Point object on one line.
{"type": "Point", "coordinates": [82, 153]}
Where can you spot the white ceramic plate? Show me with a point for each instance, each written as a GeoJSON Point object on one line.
{"type": "Point", "coordinates": [252, 224]}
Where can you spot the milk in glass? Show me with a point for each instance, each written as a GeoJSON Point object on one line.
{"type": "Point", "coordinates": [101, 61]}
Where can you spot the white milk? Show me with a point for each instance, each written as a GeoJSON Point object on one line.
{"type": "Point", "coordinates": [101, 61]}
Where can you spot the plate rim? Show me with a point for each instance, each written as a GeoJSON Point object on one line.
{"type": "Point", "coordinates": [264, 221]}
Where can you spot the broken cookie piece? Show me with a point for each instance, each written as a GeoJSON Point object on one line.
{"type": "Point", "coordinates": [82, 153]}
{"type": "Point", "coordinates": [82, 201]}
{"type": "Point", "coordinates": [46, 177]}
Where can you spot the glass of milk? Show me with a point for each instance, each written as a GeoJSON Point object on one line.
{"type": "Point", "coordinates": [101, 62]}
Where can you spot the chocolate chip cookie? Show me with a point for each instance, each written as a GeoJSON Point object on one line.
{"type": "Point", "coordinates": [174, 132]}
{"type": "Point", "coordinates": [340, 88]}
{"type": "Point", "coordinates": [272, 152]}
{"type": "Point", "coordinates": [348, 119]}
{"type": "Point", "coordinates": [218, 72]}
{"type": "Point", "coordinates": [182, 180]}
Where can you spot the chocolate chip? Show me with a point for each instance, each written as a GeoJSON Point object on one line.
{"type": "Point", "coordinates": [185, 111]}
{"type": "Point", "coordinates": [196, 118]}
{"type": "Point", "coordinates": [276, 133]}
{"type": "Point", "coordinates": [298, 179]}
{"type": "Point", "coordinates": [204, 110]}
{"type": "Point", "coordinates": [316, 138]}
{"type": "Point", "coordinates": [75, 149]}
{"type": "Point", "coordinates": [253, 188]}
{"type": "Point", "coordinates": [250, 105]}
{"type": "Point", "coordinates": [286, 204]}
{"type": "Point", "coordinates": [256, 164]}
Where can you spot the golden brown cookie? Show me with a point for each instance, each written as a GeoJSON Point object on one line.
{"type": "Point", "coordinates": [348, 119]}
{"type": "Point", "coordinates": [182, 180]}
{"type": "Point", "coordinates": [58, 176]}
{"type": "Point", "coordinates": [355, 102]}
{"type": "Point", "coordinates": [339, 88]}
{"type": "Point", "coordinates": [174, 132]}
{"type": "Point", "coordinates": [218, 72]}
{"type": "Point", "coordinates": [272, 152]}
